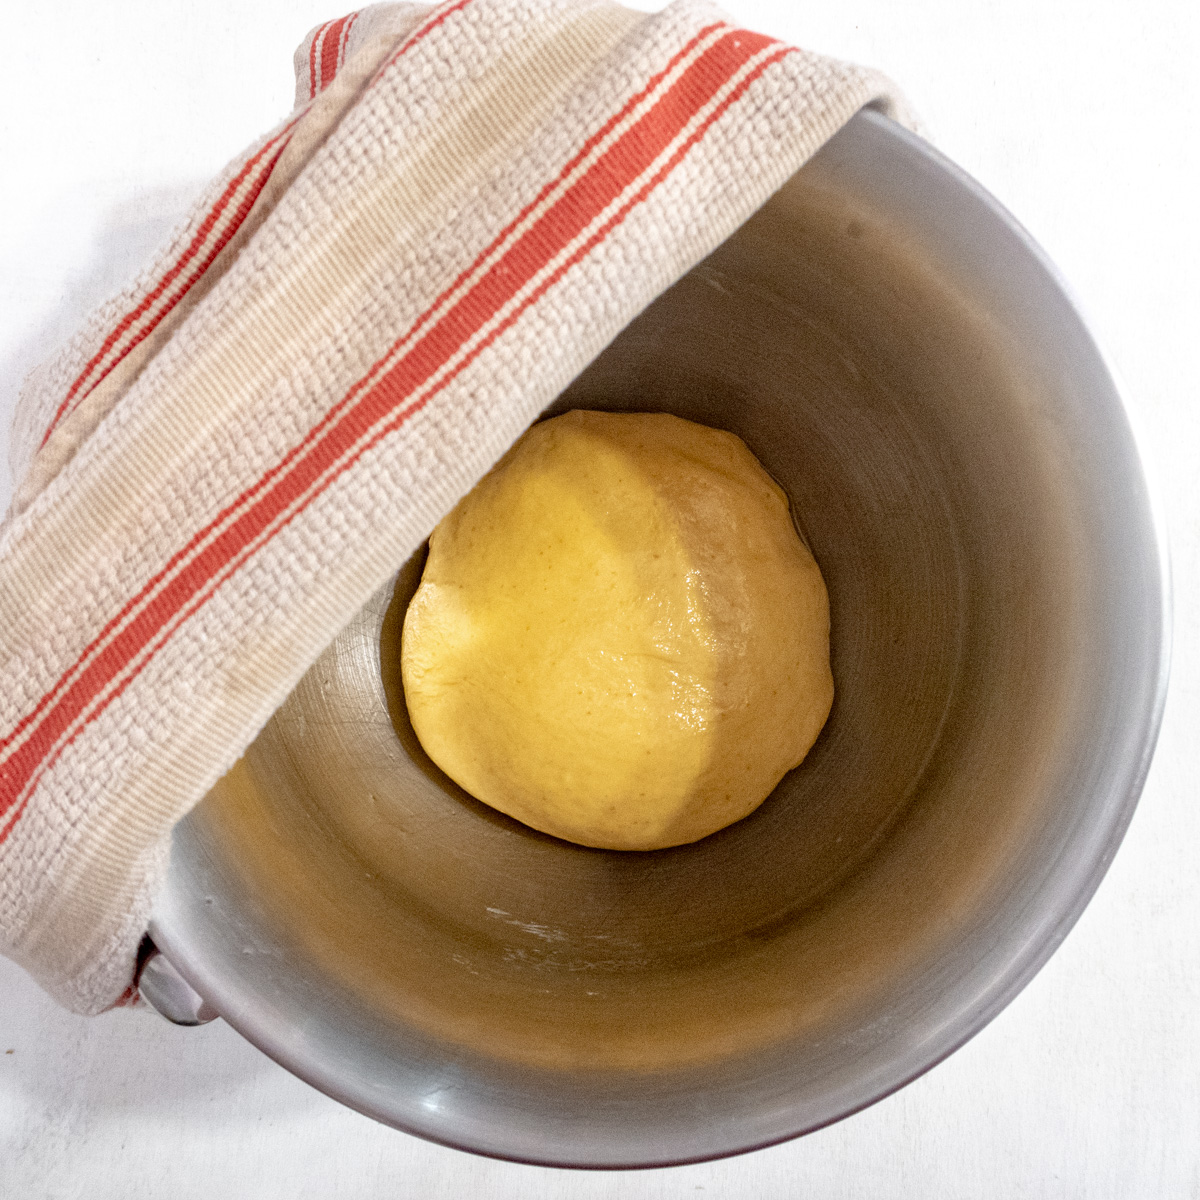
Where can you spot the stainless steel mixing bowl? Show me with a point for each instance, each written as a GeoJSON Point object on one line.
{"type": "Point", "coordinates": [903, 359]}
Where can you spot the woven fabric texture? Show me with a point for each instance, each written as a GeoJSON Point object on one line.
{"type": "Point", "coordinates": [366, 309]}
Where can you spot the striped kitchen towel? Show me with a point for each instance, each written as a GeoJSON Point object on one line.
{"type": "Point", "coordinates": [366, 309]}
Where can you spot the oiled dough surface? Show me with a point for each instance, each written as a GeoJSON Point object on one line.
{"type": "Point", "coordinates": [619, 638]}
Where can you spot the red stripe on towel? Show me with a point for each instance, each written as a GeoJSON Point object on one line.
{"type": "Point", "coordinates": [313, 59]}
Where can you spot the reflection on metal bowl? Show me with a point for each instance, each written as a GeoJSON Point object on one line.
{"type": "Point", "coordinates": [900, 356]}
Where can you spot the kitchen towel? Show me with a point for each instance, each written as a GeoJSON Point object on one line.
{"type": "Point", "coordinates": [467, 203]}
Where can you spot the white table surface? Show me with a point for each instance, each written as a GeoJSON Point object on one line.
{"type": "Point", "coordinates": [1081, 116]}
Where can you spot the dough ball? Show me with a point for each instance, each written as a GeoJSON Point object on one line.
{"type": "Point", "coordinates": [619, 638]}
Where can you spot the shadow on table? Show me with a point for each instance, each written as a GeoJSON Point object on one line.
{"type": "Point", "coordinates": [57, 1064]}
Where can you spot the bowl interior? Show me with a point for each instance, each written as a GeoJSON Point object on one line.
{"type": "Point", "coordinates": [900, 359]}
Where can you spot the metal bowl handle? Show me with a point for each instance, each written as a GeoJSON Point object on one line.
{"type": "Point", "coordinates": [169, 994]}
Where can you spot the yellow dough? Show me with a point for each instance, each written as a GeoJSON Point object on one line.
{"type": "Point", "coordinates": [619, 638]}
